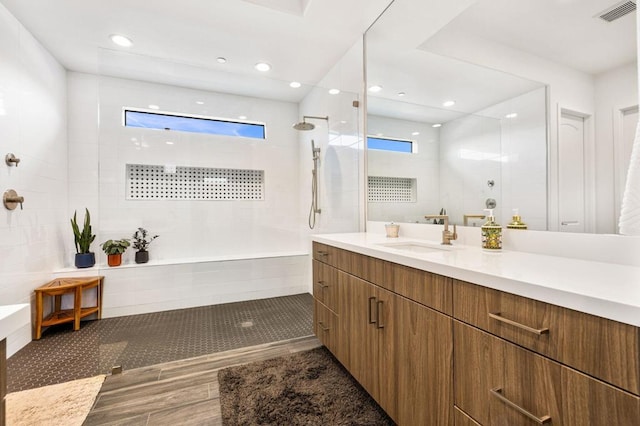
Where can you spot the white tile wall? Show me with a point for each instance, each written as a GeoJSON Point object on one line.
{"type": "Point", "coordinates": [33, 127]}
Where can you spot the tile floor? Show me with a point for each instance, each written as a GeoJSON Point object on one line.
{"type": "Point", "coordinates": [143, 340]}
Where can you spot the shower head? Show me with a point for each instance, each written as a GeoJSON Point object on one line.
{"type": "Point", "coordinates": [304, 126]}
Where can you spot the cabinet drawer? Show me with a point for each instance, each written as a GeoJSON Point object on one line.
{"type": "Point", "coordinates": [325, 326]}
{"type": "Point", "coordinates": [432, 290]}
{"type": "Point", "coordinates": [325, 285]}
{"type": "Point", "coordinates": [606, 349]}
{"type": "Point", "coordinates": [499, 383]}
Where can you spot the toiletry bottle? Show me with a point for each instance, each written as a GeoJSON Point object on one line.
{"type": "Point", "coordinates": [516, 221]}
{"type": "Point", "coordinates": [491, 233]}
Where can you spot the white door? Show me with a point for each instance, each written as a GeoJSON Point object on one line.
{"type": "Point", "coordinates": [571, 173]}
{"type": "Point", "coordinates": [628, 123]}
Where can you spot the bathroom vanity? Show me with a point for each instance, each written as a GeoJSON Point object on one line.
{"type": "Point", "coordinates": [444, 336]}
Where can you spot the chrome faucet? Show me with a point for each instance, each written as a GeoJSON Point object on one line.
{"type": "Point", "coordinates": [447, 235]}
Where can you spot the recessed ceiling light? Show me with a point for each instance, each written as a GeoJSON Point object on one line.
{"type": "Point", "coordinates": [295, 84]}
{"type": "Point", "coordinates": [375, 88]}
{"type": "Point", "coordinates": [263, 66]}
{"type": "Point", "coordinates": [200, 102]}
{"type": "Point", "coordinates": [152, 106]}
{"type": "Point", "coordinates": [511, 115]}
{"type": "Point", "coordinates": [401, 94]}
{"type": "Point", "coordinates": [121, 40]}
{"type": "Point", "coordinates": [343, 121]}
{"type": "Point", "coordinates": [436, 125]}
{"type": "Point", "coordinates": [221, 60]}
{"type": "Point", "coordinates": [448, 103]}
{"type": "Point", "coordinates": [242, 117]}
{"type": "Point", "coordinates": [169, 142]}
{"type": "Point", "coordinates": [415, 133]}
{"type": "Point", "coordinates": [334, 91]}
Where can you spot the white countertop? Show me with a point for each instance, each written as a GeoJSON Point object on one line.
{"type": "Point", "coordinates": [12, 318]}
{"type": "Point", "coordinates": [604, 289]}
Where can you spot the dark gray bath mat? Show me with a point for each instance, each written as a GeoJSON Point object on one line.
{"type": "Point", "coordinates": [307, 388]}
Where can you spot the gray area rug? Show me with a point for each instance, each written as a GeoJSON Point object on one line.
{"type": "Point", "coordinates": [307, 388]}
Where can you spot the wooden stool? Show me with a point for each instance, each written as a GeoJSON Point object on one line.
{"type": "Point", "coordinates": [56, 289]}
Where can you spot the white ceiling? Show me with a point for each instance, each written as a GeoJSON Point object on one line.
{"type": "Point", "coordinates": [178, 42]}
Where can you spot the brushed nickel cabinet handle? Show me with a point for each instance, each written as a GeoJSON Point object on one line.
{"type": "Point", "coordinates": [378, 309]}
{"type": "Point", "coordinates": [371, 320]}
{"type": "Point", "coordinates": [323, 285]}
{"type": "Point", "coordinates": [497, 392]}
{"type": "Point", "coordinates": [498, 317]}
{"type": "Point", "coordinates": [322, 327]}
{"type": "Point", "coordinates": [322, 253]}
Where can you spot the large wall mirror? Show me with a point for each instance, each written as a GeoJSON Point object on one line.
{"type": "Point", "coordinates": [524, 105]}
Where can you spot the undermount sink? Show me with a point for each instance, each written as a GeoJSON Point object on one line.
{"type": "Point", "coordinates": [416, 247]}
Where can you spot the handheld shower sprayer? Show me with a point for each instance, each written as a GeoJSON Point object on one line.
{"type": "Point", "coordinates": [315, 152]}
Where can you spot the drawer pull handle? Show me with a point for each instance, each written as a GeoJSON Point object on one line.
{"type": "Point", "coordinates": [371, 320]}
{"type": "Point", "coordinates": [497, 392]}
{"type": "Point", "coordinates": [378, 310]}
{"type": "Point", "coordinates": [321, 324]}
{"type": "Point", "coordinates": [323, 285]}
{"type": "Point", "coordinates": [539, 331]}
{"type": "Point", "coordinates": [322, 253]}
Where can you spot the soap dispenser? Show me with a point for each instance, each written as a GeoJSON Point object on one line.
{"type": "Point", "coordinates": [516, 221]}
{"type": "Point", "coordinates": [491, 233]}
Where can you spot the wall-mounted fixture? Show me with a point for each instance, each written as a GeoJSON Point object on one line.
{"type": "Point", "coordinates": [11, 199]}
{"type": "Point", "coordinates": [11, 160]}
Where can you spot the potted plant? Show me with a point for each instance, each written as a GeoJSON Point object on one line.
{"type": "Point", "coordinates": [83, 240]}
{"type": "Point", "coordinates": [114, 250]}
{"type": "Point", "coordinates": [140, 242]}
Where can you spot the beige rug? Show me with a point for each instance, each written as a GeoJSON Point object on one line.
{"type": "Point", "coordinates": [62, 404]}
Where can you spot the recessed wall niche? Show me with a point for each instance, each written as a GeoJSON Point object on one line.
{"type": "Point", "coordinates": [159, 182]}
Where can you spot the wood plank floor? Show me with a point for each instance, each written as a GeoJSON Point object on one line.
{"type": "Point", "coordinates": [181, 392]}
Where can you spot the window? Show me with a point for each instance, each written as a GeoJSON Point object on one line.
{"type": "Point", "coordinates": [192, 123]}
{"type": "Point", "coordinates": [386, 144]}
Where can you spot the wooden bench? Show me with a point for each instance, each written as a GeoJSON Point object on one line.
{"type": "Point", "coordinates": [59, 287]}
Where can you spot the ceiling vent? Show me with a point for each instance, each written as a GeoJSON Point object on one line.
{"type": "Point", "coordinates": [618, 10]}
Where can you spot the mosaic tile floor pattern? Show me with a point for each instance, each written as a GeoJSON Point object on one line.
{"type": "Point", "coordinates": [142, 340]}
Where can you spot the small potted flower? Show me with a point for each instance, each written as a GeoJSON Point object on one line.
{"type": "Point", "coordinates": [141, 241]}
{"type": "Point", "coordinates": [114, 250]}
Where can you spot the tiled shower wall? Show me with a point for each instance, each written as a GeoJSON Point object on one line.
{"type": "Point", "coordinates": [33, 127]}
{"type": "Point", "coordinates": [209, 251]}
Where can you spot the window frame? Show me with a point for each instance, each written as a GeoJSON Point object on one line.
{"type": "Point", "coordinates": [195, 117]}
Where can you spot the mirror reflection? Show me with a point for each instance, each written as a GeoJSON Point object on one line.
{"type": "Point", "coordinates": [543, 108]}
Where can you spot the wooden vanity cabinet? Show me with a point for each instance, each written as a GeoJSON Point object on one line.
{"type": "Point", "coordinates": [399, 350]}
{"type": "Point", "coordinates": [499, 383]}
{"type": "Point", "coordinates": [436, 351]}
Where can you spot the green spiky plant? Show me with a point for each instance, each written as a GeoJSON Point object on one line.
{"type": "Point", "coordinates": [82, 239]}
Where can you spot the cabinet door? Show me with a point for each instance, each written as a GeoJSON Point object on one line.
{"type": "Point", "coordinates": [424, 360]}
{"type": "Point", "coordinates": [360, 325]}
{"type": "Point", "coordinates": [385, 329]}
{"type": "Point", "coordinates": [326, 326]}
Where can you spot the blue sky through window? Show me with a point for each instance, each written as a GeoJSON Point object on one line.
{"type": "Point", "coordinates": [385, 144]}
{"type": "Point", "coordinates": [153, 120]}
